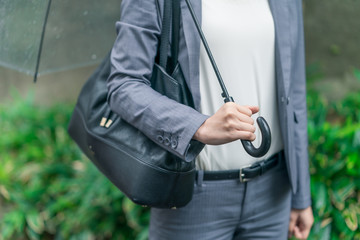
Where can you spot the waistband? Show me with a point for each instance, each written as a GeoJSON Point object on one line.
{"type": "Point", "coordinates": [244, 174]}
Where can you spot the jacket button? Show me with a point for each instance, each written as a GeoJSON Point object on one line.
{"type": "Point", "coordinates": [282, 99]}
{"type": "Point", "coordinates": [288, 100]}
{"type": "Point", "coordinates": [166, 141]}
{"type": "Point", "coordinates": [160, 138]}
{"type": "Point", "coordinates": [174, 143]}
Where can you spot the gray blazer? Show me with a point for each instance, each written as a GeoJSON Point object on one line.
{"type": "Point", "coordinates": [131, 96]}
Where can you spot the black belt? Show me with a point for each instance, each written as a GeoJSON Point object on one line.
{"type": "Point", "coordinates": [246, 173]}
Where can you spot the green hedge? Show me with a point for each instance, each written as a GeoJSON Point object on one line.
{"type": "Point", "coordinates": [334, 138]}
{"type": "Point", "coordinates": [48, 190]}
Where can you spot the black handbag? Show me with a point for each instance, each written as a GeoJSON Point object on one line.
{"type": "Point", "coordinates": [141, 169]}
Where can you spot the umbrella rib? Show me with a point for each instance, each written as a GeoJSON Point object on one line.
{"type": "Point", "coordinates": [42, 40]}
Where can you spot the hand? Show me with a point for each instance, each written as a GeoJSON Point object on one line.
{"type": "Point", "coordinates": [231, 122]}
{"type": "Point", "coordinates": [301, 221]}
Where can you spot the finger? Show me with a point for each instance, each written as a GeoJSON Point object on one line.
{"type": "Point", "coordinates": [242, 126]}
{"type": "Point", "coordinates": [238, 117]}
{"type": "Point", "coordinates": [305, 233]}
{"type": "Point", "coordinates": [298, 233]}
{"type": "Point", "coordinates": [233, 128]}
{"type": "Point", "coordinates": [244, 110]}
{"type": "Point", "coordinates": [254, 109]}
{"type": "Point", "coordinates": [290, 233]}
{"type": "Point", "coordinates": [244, 135]}
{"type": "Point", "coordinates": [291, 227]}
{"type": "Point", "coordinates": [245, 118]}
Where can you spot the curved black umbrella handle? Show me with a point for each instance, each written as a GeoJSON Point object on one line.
{"type": "Point", "coordinates": [265, 143]}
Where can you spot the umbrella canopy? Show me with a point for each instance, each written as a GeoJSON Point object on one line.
{"type": "Point", "coordinates": [78, 33]}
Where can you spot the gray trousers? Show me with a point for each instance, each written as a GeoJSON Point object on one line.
{"type": "Point", "coordinates": [229, 209]}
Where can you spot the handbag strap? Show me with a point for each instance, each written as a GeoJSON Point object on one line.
{"type": "Point", "coordinates": [175, 34]}
{"type": "Point", "coordinates": [171, 18]}
{"type": "Point", "coordinates": [224, 94]}
{"type": "Point", "coordinates": [165, 32]}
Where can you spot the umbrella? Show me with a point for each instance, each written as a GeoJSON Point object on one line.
{"type": "Point", "coordinates": [64, 34]}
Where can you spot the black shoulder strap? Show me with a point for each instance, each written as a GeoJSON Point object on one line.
{"type": "Point", "coordinates": [171, 18]}
{"type": "Point", "coordinates": [165, 32]}
{"type": "Point", "coordinates": [175, 34]}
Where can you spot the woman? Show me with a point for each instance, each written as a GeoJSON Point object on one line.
{"type": "Point", "coordinates": [258, 45]}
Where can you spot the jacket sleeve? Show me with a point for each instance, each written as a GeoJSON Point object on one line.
{"type": "Point", "coordinates": [302, 198]}
{"type": "Point", "coordinates": [166, 122]}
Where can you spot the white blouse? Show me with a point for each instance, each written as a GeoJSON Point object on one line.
{"type": "Point", "coordinates": [241, 36]}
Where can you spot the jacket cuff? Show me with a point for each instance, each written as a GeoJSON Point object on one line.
{"type": "Point", "coordinates": [300, 203]}
{"type": "Point", "coordinates": [189, 148]}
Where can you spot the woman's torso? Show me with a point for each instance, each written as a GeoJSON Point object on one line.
{"type": "Point", "coordinates": [242, 39]}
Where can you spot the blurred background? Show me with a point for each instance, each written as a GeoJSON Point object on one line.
{"type": "Point", "coordinates": [49, 190]}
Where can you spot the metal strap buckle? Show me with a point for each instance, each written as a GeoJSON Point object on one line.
{"type": "Point", "coordinates": [242, 175]}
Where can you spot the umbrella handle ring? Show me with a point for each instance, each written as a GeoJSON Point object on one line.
{"type": "Point", "coordinates": [265, 143]}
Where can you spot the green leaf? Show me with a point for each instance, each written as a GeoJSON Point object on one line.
{"type": "Point", "coordinates": [353, 164]}
{"type": "Point", "coordinates": [32, 234]}
{"type": "Point", "coordinates": [320, 232]}
{"type": "Point", "coordinates": [143, 235]}
{"type": "Point", "coordinates": [357, 236]}
{"type": "Point", "coordinates": [320, 197]}
{"type": "Point", "coordinates": [341, 190]}
{"type": "Point", "coordinates": [13, 222]}
{"type": "Point", "coordinates": [35, 222]}
{"type": "Point", "coordinates": [86, 235]}
{"type": "Point", "coordinates": [341, 226]}
{"type": "Point", "coordinates": [334, 166]}
{"type": "Point", "coordinates": [356, 140]}
{"type": "Point", "coordinates": [351, 220]}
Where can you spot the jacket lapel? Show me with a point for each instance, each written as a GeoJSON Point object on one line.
{"type": "Point", "coordinates": [281, 11]}
{"type": "Point", "coordinates": [281, 15]}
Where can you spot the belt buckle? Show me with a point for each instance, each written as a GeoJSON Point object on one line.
{"type": "Point", "coordinates": [241, 175]}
